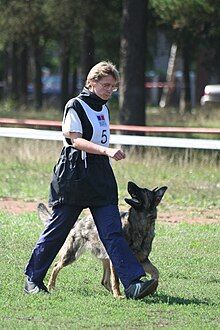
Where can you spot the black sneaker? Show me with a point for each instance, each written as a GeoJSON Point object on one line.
{"type": "Point", "coordinates": [141, 289]}
{"type": "Point", "coordinates": [32, 288]}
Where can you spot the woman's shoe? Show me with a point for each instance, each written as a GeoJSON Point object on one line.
{"type": "Point", "coordinates": [141, 289]}
{"type": "Point", "coordinates": [32, 288]}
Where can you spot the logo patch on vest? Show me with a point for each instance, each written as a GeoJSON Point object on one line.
{"type": "Point", "coordinates": [101, 120]}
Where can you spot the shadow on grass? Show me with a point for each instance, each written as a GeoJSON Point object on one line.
{"type": "Point", "coordinates": [214, 280]}
{"type": "Point", "coordinates": [157, 298]}
{"type": "Point", "coordinates": [171, 300]}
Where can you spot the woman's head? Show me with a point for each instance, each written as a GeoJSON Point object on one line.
{"type": "Point", "coordinates": [103, 79]}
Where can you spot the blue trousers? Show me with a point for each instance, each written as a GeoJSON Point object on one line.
{"type": "Point", "coordinates": [108, 223]}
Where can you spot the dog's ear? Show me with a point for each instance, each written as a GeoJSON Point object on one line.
{"type": "Point", "coordinates": [133, 202]}
{"type": "Point", "coordinates": [159, 194]}
{"type": "Point", "coordinates": [43, 213]}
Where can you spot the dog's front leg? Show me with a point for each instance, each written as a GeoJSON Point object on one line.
{"type": "Point", "coordinates": [149, 268]}
{"type": "Point", "coordinates": [106, 275]}
{"type": "Point", "coordinates": [115, 283]}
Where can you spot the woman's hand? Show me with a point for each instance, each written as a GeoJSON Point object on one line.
{"type": "Point", "coordinates": [115, 153]}
{"type": "Point", "coordinates": [81, 144]}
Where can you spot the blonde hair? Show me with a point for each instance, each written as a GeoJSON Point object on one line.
{"type": "Point", "coordinates": [100, 70]}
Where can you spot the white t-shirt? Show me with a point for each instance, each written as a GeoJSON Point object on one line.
{"type": "Point", "coordinates": [99, 121]}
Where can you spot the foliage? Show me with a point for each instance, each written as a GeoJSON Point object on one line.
{"type": "Point", "coordinates": [61, 18]}
{"type": "Point", "coordinates": [198, 20]}
{"type": "Point", "coordinates": [191, 25]}
{"type": "Point", "coordinates": [108, 30]}
{"type": "Point", "coordinates": [56, 29]}
{"type": "Point", "coordinates": [21, 20]}
{"type": "Point", "coordinates": [192, 15]}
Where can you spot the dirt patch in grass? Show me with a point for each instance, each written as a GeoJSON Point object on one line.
{"type": "Point", "coordinates": [17, 206]}
{"type": "Point", "coordinates": [191, 215]}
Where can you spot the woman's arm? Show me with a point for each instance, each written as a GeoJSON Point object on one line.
{"type": "Point", "coordinates": [92, 148]}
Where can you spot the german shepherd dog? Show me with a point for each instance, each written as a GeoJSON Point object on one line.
{"type": "Point", "coordinates": [138, 225]}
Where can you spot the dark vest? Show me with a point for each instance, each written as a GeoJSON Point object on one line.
{"type": "Point", "coordinates": [97, 188]}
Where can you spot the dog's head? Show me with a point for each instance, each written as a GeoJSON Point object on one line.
{"type": "Point", "coordinates": [143, 198]}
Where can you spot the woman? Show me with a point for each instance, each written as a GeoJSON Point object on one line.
{"type": "Point", "coordinates": [86, 128]}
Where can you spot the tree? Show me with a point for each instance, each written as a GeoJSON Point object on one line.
{"type": "Point", "coordinates": [37, 31]}
{"type": "Point", "coordinates": [70, 33]}
{"type": "Point", "coordinates": [22, 23]}
{"type": "Point", "coordinates": [11, 44]}
{"type": "Point", "coordinates": [189, 22]}
{"type": "Point", "coordinates": [132, 62]}
{"type": "Point", "coordinates": [61, 17]}
{"type": "Point", "coordinates": [100, 33]}
{"type": "Point", "coordinates": [87, 38]}
{"type": "Point", "coordinates": [107, 30]}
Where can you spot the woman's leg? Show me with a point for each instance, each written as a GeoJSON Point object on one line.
{"type": "Point", "coordinates": [108, 222]}
{"type": "Point", "coordinates": [51, 240]}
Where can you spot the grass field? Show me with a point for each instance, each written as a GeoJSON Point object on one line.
{"type": "Point", "coordinates": [187, 298]}
{"type": "Point", "coordinates": [187, 255]}
{"type": "Point", "coordinates": [192, 177]}
{"type": "Point", "coordinates": [199, 117]}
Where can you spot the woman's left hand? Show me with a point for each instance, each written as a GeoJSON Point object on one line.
{"type": "Point", "coordinates": [115, 153]}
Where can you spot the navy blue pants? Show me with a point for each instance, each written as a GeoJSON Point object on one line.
{"type": "Point", "coordinates": [108, 223]}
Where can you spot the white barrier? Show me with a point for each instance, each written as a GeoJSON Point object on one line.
{"type": "Point", "coordinates": [153, 141]}
{"type": "Point", "coordinates": [30, 133]}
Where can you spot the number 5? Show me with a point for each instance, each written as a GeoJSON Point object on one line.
{"type": "Point", "coordinates": [104, 137]}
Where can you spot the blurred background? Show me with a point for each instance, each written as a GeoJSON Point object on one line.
{"type": "Point", "coordinates": [167, 52]}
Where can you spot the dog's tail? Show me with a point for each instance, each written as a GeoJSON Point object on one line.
{"type": "Point", "coordinates": [43, 213]}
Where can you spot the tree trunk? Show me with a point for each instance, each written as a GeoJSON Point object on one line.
{"type": "Point", "coordinates": [132, 62]}
{"type": "Point", "coordinates": [65, 66]}
{"type": "Point", "coordinates": [6, 72]}
{"type": "Point", "coordinates": [24, 74]}
{"type": "Point", "coordinates": [2, 74]}
{"type": "Point", "coordinates": [202, 74]}
{"type": "Point", "coordinates": [170, 77]}
{"type": "Point", "coordinates": [15, 71]}
{"type": "Point", "coordinates": [88, 46]}
{"type": "Point", "coordinates": [186, 77]}
{"type": "Point", "coordinates": [74, 82]}
{"type": "Point", "coordinates": [38, 97]}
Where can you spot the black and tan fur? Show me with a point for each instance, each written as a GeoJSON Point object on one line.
{"type": "Point", "coordinates": [138, 227]}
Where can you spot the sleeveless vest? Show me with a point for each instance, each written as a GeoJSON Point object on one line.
{"type": "Point", "coordinates": [95, 185]}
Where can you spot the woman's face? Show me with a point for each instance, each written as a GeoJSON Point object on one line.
{"type": "Point", "coordinates": [104, 87]}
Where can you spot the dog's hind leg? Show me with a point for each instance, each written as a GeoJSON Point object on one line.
{"type": "Point", "coordinates": [52, 281]}
{"type": "Point", "coordinates": [106, 282]}
{"type": "Point", "coordinates": [149, 268]}
{"type": "Point", "coordinates": [68, 254]}
{"type": "Point", "coordinates": [115, 283]}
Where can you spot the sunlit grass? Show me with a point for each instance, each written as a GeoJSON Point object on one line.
{"type": "Point", "coordinates": [186, 255]}
{"type": "Point", "coordinates": [187, 298]}
{"type": "Point", "coordinates": [208, 116]}
{"type": "Point", "coordinates": [192, 177]}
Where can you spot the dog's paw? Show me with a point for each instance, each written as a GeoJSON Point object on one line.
{"type": "Point", "coordinates": [120, 296]}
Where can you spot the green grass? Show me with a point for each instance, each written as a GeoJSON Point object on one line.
{"type": "Point", "coordinates": [200, 117]}
{"type": "Point", "coordinates": [186, 255]}
{"type": "Point", "coordinates": [188, 296]}
{"type": "Point", "coordinates": [193, 178]}
{"type": "Point", "coordinates": [10, 109]}
{"type": "Point", "coordinates": [155, 116]}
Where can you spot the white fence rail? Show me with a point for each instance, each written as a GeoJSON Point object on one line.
{"type": "Point", "coordinates": [130, 140]}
